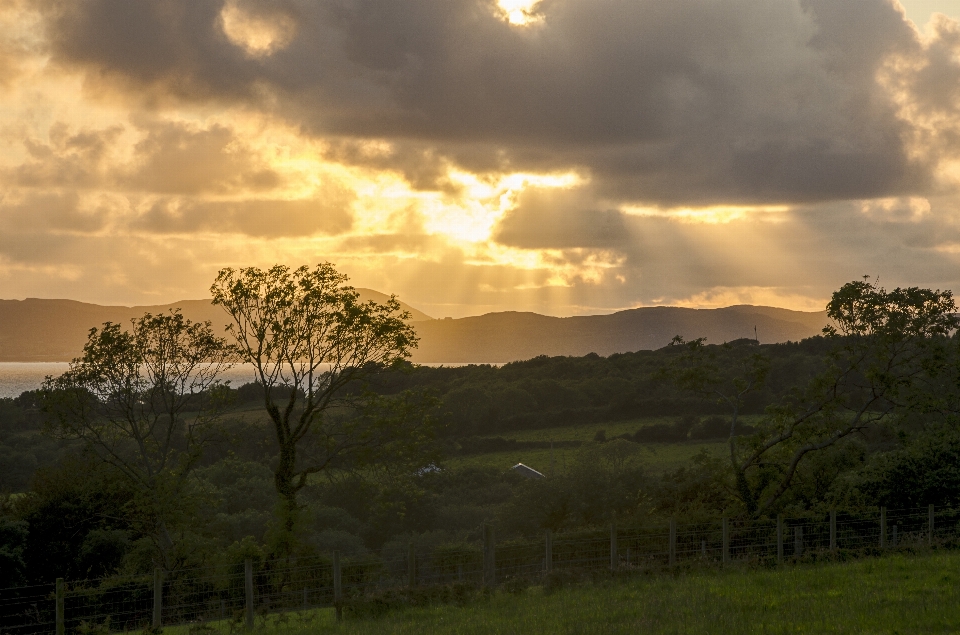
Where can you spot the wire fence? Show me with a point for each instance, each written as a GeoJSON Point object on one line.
{"type": "Point", "coordinates": [230, 598]}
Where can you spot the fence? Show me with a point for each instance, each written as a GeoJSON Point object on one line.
{"type": "Point", "coordinates": [232, 597]}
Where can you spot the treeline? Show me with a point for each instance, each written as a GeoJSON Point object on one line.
{"type": "Point", "coordinates": [548, 392]}
{"type": "Point", "coordinates": [867, 415]}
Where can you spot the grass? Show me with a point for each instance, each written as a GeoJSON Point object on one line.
{"type": "Point", "coordinates": [587, 432]}
{"type": "Point", "coordinates": [658, 457]}
{"type": "Point", "coordinates": [894, 594]}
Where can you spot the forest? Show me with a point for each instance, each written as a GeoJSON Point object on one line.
{"type": "Point", "coordinates": [864, 416]}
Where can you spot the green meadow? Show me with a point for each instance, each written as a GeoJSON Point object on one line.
{"type": "Point", "coordinates": [889, 595]}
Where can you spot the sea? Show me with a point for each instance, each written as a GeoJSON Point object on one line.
{"type": "Point", "coordinates": [18, 377]}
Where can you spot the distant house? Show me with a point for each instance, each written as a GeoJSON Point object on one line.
{"type": "Point", "coordinates": [526, 470]}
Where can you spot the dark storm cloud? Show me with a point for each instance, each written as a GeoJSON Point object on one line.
{"type": "Point", "coordinates": [687, 101]}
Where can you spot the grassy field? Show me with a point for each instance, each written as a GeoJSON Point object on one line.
{"type": "Point", "coordinates": [895, 594]}
{"type": "Point", "coordinates": [657, 457]}
{"type": "Point", "coordinates": [588, 431]}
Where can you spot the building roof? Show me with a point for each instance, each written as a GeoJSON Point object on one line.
{"type": "Point", "coordinates": [526, 470]}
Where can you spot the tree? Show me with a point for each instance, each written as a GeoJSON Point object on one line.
{"type": "Point", "coordinates": [725, 374]}
{"type": "Point", "coordinates": [890, 348]}
{"type": "Point", "coordinates": [144, 400]}
{"type": "Point", "coordinates": [312, 344]}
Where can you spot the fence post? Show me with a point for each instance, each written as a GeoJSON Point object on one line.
{"type": "Point", "coordinates": [798, 540]}
{"type": "Point", "coordinates": [248, 586]}
{"type": "Point", "coordinates": [614, 554]}
{"type": "Point", "coordinates": [489, 557]}
{"type": "Point", "coordinates": [930, 525]}
{"type": "Point", "coordinates": [548, 557]}
{"type": "Point", "coordinates": [726, 541]}
{"type": "Point", "coordinates": [833, 530]}
{"type": "Point", "coordinates": [883, 527]}
{"type": "Point", "coordinates": [59, 607]}
{"type": "Point", "coordinates": [157, 598]}
{"type": "Point", "coordinates": [337, 586]}
{"type": "Point", "coordinates": [779, 538]}
{"type": "Point", "coordinates": [673, 542]}
{"type": "Point", "coordinates": [411, 565]}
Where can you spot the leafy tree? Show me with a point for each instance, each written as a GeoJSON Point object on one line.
{"type": "Point", "coordinates": [146, 401]}
{"type": "Point", "coordinates": [889, 349]}
{"type": "Point", "coordinates": [313, 344]}
{"type": "Point", "coordinates": [726, 374]}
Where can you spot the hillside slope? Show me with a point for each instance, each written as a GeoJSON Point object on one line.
{"type": "Point", "coordinates": [35, 330]}
{"type": "Point", "coordinates": [55, 330]}
{"type": "Point", "coordinates": [510, 336]}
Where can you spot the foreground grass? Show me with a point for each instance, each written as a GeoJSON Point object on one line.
{"type": "Point", "coordinates": [894, 594]}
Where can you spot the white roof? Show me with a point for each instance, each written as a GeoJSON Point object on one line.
{"type": "Point", "coordinates": [527, 471]}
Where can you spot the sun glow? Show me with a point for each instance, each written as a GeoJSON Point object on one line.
{"type": "Point", "coordinates": [257, 35]}
{"type": "Point", "coordinates": [713, 215]}
{"type": "Point", "coordinates": [520, 12]}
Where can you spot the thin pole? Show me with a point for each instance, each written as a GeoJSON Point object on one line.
{"type": "Point", "coordinates": [673, 542]}
{"type": "Point", "coordinates": [59, 607]}
{"type": "Point", "coordinates": [337, 586]}
{"type": "Point", "coordinates": [548, 557]}
{"type": "Point", "coordinates": [883, 527]}
{"type": "Point", "coordinates": [613, 544]}
{"type": "Point", "coordinates": [798, 540]}
{"type": "Point", "coordinates": [489, 557]}
{"type": "Point", "coordinates": [779, 538]}
{"type": "Point", "coordinates": [411, 566]}
{"type": "Point", "coordinates": [157, 598]}
{"type": "Point", "coordinates": [930, 525]}
{"type": "Point", "coordinates": [833, 530]}
{"type": "Point", "coordinates": [726, 541]}
{"type": "Point", "coordinates": [248, 585]}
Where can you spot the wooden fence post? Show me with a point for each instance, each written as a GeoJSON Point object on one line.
{"type": "Point", "coordinates": [59, 607]}
{"type": "Point", "coordinates": [548, 557]}
{"type": "Point", "coordinates": [779, 538]}
{"type": "Point", "coordinates": [673, 542]}
{"type": "Point", "coordinates": [337, 586]}
{"type": "Point", "coordinates": [930, 525]}
{"type": "Point", "coordinates": [833, 530]}
{"type": "Point", "coordinates": [411, 566]}
{"type": "Point", "coordinates": [798, 540]}
{"type": "Point", "coordinates": [883, 527]}
{"type": "Point", "coordinates": [726, 541]}
{"type": "Point", "coordinates": [157, 598]}
{"type": "Point", "coordinates": [248, 587]}
{"type": "Point", "coordinates": [489, 557]}
{"type": "Point", "coordinates": [614, 554]}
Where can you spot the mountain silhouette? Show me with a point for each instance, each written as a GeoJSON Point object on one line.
{"type": "Point", "coordinates": [55, 330]}
{"type": "Point", "coordinates": [511, 336]}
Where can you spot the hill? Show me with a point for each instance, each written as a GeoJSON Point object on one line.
{"type": "Point", "coordinates": [511, 336]}
{"type": "Point", "coordinates": [55, 330]}
{"type": "Point", "coordinates": [38, 330]}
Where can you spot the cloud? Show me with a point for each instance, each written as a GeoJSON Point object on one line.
{"type": "Point", "coordinates": [174, 158]}
{"type": "Point", "coordinates": [327, 214]}
{"type": "Point", "coordinates": [558, 218]}
{"type": "Point", "coordinates": [679, 102]}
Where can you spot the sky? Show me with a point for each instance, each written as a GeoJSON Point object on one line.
{"type": "Point", "coordinates": [564, 156]}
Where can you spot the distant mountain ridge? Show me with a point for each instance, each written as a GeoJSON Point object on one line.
{"type": "Point", "coordinates": [35, 330]}
{"type": "Point", "coordinates": [39, 330]}
{"type": "Point", "coordinates": [511, 336]}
